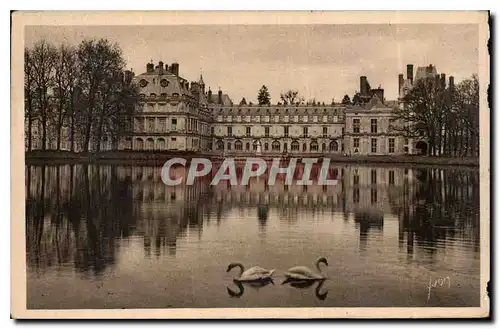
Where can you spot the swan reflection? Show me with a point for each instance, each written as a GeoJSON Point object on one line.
{"type": "Point", "coordinates": [301, 284]}
{"type": "Point", "coordinates": [253, 284]}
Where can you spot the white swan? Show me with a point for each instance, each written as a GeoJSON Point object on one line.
{"type": "Point", "coordinates": [255, 273]}
{"type": "Point", "coordinates": [305, 273]}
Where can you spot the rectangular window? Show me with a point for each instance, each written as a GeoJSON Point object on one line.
{"type": "Point", "coordinates": [343, 131]}
{"type": "Point", "coordinates": [276, 118]}
{"type": "Point", "coordinates": [391, 177]}
{"type": "Point", "coordinates": [266, 118]}
{"type": "Point", "coordinates": [355, 195]}
{"type": "Point", "coordinates": [229, 146]}
{"type": "Point", "coordinates": [325, 118]}
{"type": "Point", "coordinates": [355, 179]}
{"type": "Point", "coordinates": [374, 176]}
{"type": "Point", "coordinates": [266, 146]}
{"type": "Point", "coordinates": [391, 145]}
{"type": "Point", "coordinates": [356, 142]}
{"type": "Point", "coordinates": [174, 124]}
{"type": "Point", "coordinates": [374, 126]}
{"type": "Point", "coordinates": [249, 131]}
{"type": "Point", "coordinates": [285, 129]}
{"type": "Point", "coordinates": [355, 126]}
{"type": "Point", "coordinates": [335, 118]}
{"type": "Point", "coordinates": [306, 131]}
{"type": "Point", "coordinates": [406, 141]}
{"type": "Point", "coordinates": [229, 118]}
{"type": "Point", "coordinates": [296, 118]}
{"type": "Point", "coordinates": [266, 131]}
{"type": "Point", "coordinates": [212, 131]}
{"type": "Point", "coordinates": [373, 195]}
{"type": "Point", "coordinates": [315, 118]}
{"type": "Point", "coordinates": [219, 118]}
{"type": "Point", "coordinates": [285, 118]}
{"type": "Point", "coordinates": [304, 118]}
{"type": "Point", "coordinates": [230, 131]}
{"type": "Point", "coordinates": [238, 118]}
{"type": "Point", "coordinates": [325, 131]}
{"type": "Point", "coordinates": [247, 118]}
{"type": "Point", "coordinates": [374, 145]}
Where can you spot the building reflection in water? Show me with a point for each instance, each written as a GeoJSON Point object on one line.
{"type": "Point", "coordinates": [75, 213]}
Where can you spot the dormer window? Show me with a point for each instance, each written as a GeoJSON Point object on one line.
{"type": "Point", "coordinates": [152, 95]}
{"type": "Point", "coordinates": [142, 96]}
{"type": "Point", "coordinates": [164, 82]}
{"type": "Point", "coordinates": [164, 95]}
{"type": "Point", "coordinates": [175, 95]}
{"type": "Point", "coordinates": [143, 83]}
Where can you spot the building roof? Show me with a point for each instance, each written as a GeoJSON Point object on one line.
{"type": "Point", "coordinates": [254, 110]}
{"type": "Point", "coordinates": [161, 83]}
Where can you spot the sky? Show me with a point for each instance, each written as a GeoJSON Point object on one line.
{"type": "Point", "coordinates": [320, 61]}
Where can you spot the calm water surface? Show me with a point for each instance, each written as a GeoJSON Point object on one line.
{"type": "Point", "coordinates": [116, 237]}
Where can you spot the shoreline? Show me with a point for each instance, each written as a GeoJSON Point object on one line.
{"type": "Point", "coordinates": [135, 157]}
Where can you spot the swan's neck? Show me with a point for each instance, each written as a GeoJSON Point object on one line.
{"type": "Point", "coordinates": [242, 269]}
{"type": "Point", "coordinates": [317, 266]}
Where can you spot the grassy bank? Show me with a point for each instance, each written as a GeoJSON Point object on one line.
{"type": "Point", "coordinates": [156, 157]}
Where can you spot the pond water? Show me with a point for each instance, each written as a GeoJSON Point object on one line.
{"type": "Point", "coordinates": [115, 236]}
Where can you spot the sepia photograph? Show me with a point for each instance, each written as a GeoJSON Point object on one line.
{"type": "Point", "coordinates": [250, 164]}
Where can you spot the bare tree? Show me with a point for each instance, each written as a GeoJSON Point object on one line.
{"type": "Point", "coordinates": [100, 62]}
{"type": "Point", "coordinates": [29, 95]}
{"type": "Point", "coordinates": [291, 97]}
{"type": "Point", "coordinates": [43, 57]}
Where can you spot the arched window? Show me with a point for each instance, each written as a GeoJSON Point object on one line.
{"type": "Point", "coordinates": [247, 146]}
{"type": "Point", "coordinates": [220, 145]}
{"type": "Point", "coordinates": [334, 146]}
{"type": "Point", "coordinates": [323, 147]}
{"type": "Point", "coordinates": [160, 144]}
{"type": "Point", "coordinates": [295, 146]}
{"type": "Point", "coordinates": [139, 144]}
{"type": "Point", "coordinates": [314, 146]}
{"type": "Point", "coordinates": [255, 143]}
{"type": "Point", "coordinates": [266, 146]}
{"type": "Point", "coordinates": [229, 146]}
{"type": "Point", "coordinates": [276, 146]}
{"type": "Point", "coordinates": [304, 147]}
{"type": "Point", "coordinates": [238, 146]}
{"type": "Point", "coordinates": [285, 147]}
{"type": "Point", "coordinates": [150, 144]}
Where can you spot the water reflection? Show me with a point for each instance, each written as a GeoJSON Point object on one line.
{"type": "Point", "coordinates": [87, 218]}
{"type": "Point", "coordinates": [302, 284]}
{"type": "Point", "coordinates": [256, 285]}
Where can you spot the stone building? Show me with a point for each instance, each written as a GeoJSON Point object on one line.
{"type": "Point", "coordinates": [274, 129]}
{"type": "Point", "coordinates": [172, 113]}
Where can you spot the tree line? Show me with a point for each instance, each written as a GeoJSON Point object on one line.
{"type": "Point", "coordinates": [80, 94]}
{"type": "Point", "coordinates": [447, 118]}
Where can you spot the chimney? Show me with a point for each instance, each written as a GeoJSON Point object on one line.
{"type": "Point", "coordinates": [451, 82]}
{"type": "Point", "coordinates": [160, 64]}
{"type": "Point", "coordinates": [219, 100]}
{"type": "Point", "coordinates": [443, 80]}
{"type": "Point", "coordinates": [166, 67]}
{"type": "Point", "coordinates": [363, 85]}
{"type": "Point", "coordinates": [401, 81]}
{"type": "Point", "coordinates": [150, 67]}
{"type": "Point", "coordinates": [209, 95]}
{"type": "Point", "coordinates": [379, 92]}
{"type": "Point", "coordinates": [175, 68]}
{"type": "Point", "coordinates": [409, 72]}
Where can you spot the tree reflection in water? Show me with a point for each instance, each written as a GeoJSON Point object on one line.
{"type": "Point", "coordinates": [75, 213]}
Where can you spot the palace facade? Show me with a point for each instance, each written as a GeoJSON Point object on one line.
{"type": "Point", "coordinates": [174, 114]}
